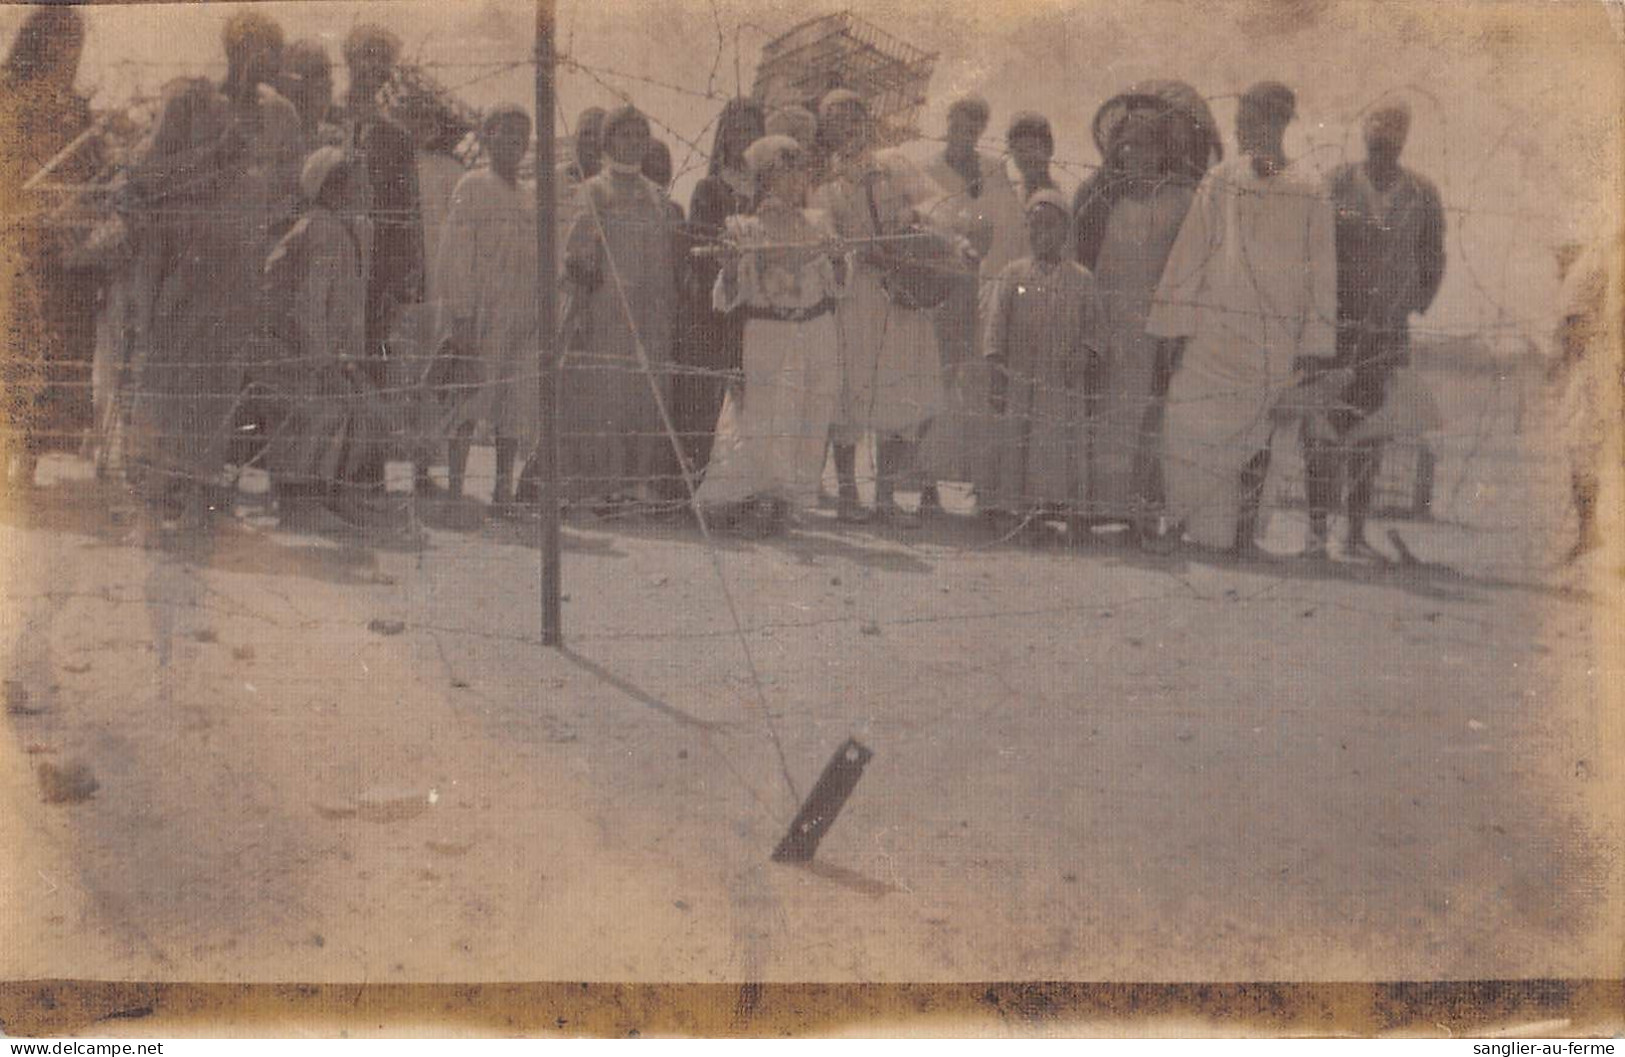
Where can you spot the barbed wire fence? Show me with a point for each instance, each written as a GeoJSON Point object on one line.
{"type": "Point", "coordinates": [413, 396]}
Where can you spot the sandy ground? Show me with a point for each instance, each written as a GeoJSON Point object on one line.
{"type": "Point", "coordinates": [1088, 764]}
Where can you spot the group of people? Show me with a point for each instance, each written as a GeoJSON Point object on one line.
{"type": "Point", "coordinates": [1128, 353]}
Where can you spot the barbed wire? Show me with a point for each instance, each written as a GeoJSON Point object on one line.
{"type": "Point", "coordinates": [1480, 438]}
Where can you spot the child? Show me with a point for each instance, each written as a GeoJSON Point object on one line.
{"type": "Point", "coordinates": [318, 293]}
{"type": "Point", "coordinates": [1041, 341]}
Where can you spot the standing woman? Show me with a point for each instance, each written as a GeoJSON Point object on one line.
{"type": "Point", "coordinates": [619, 272]}
{"type": "Point", "coordinates": [1158, 140]}
{"type": "Point", "coordinates": [785, 288]}
{"type": "Point", "coordinates": [891, 370]}
{"type": "Point", "coordinates": [712, 341]}
{"type": "Point", "coordinates": [220, 173]}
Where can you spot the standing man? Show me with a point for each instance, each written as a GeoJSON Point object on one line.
{"type": "Point", "coordinates": [487, 265]}
{"type": "Point", "coordinates": [387, 194]}
{"type": "Point", "coordinates": [1248, 297]}
{"type": "Point", "coordinates": [978, 203]}
{"type": "Point", "coordinates": [1390, 261]}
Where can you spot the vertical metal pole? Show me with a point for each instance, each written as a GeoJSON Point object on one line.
{"type": "Point", "coordinates": [547, 377]}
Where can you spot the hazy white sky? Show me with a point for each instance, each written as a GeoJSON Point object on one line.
{"type": "Point", "coordinates": [1517, 105]}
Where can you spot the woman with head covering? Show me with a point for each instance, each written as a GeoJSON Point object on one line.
{"type": "Point", "coordinates": [488, 315]}
{"type": "Point", "coordinates": [1042, 342]}
{"type": "Point", "coordinates": [712, 341]}
{"type": "Point", "coordinates": [769, 453]}
{"type": "Point", "coordinates": [892, 371]}
{"type": "Point", "coordinates": [51, 309]}
{"type": "Point", "coordinates": [620, 272]}
{"type": "Point", "coordinates": [219, 177]}
{"type": "Point", "coordinates": [1128, 214]}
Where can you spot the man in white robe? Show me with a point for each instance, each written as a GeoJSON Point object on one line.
{"type": "Point", "coordinates": [487, 270]}
{"type": "Point", "coordinates": [1249, 296]}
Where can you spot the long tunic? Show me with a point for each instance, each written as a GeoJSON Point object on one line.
{"type": "Point", "coordinates": [994, 223]}
{"type": "Point", "coordinates": [1251, 283]}
{"type": "Point", "coordinates": [1043, 324]}
{"type": "Point", "coordinates": [771, 436]}
{"type": "Point", "coordinates": [328, 330]}
{"type": "Point", "coordinates": [1390, 262]}
{"type": "Point", "coordinates": [214, 223]}
{"type": "Point", "coordinates": [487, 272]}
{"type": "Point", "coordinates": [625, 234]}
{"type": "Point", "coordinates": [891, 369]}
{"type": "Point", "coordinates": [1127, 424]}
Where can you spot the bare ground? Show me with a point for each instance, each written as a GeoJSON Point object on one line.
{"type": "Point", "coordinates": [1089, 764]}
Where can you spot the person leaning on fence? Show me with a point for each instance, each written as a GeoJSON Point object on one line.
{"type": "Point", "coordinates": [891, 369]}
{"type": "Point", "coordinates": [769, 452]}
{"type": "Point", "coordinates": [712, 341]}
{"type": "Point", "coordinates": [487, 334]}
{"type": "Point", "coordinates": [317, 290]}
{"type": "Point", "coordinates": [620, 272]}
{"type": "Point", "coordinates": [1249, 296]}
{"type": "Point", "coordinates": [220, 173]}
{"type": "Point", "coordinates": [1390, 262]}
{"type": "Point", "coordinates": [1043, 341]}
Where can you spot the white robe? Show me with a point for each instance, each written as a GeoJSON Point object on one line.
{"type": "Point", "coordinates": [890, 364]}
{"type": "Point", "coordinates": [487, 273]}
{"type": "Point", "coordinates": [1251, 282]}
{"type": "Point", "coordinates": [771, 442]}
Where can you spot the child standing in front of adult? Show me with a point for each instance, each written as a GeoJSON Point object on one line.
{"type": "Point", "coordinates": [1043, 343]}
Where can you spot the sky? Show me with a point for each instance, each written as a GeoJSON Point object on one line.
{"type": "Point", "coordinates": [1517, 104]}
